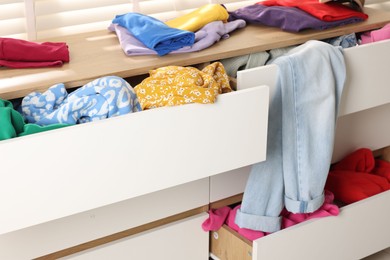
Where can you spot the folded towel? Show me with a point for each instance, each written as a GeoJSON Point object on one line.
{"type": "Point", "coordinates": [154, 34]}
{"type": "Point", "coordinates": [15, 53]}
{"type": "Point", "coordinates": [195, 20]}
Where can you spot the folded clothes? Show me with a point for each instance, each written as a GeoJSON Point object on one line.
{"type": "Point", "coordinates": [204, 38]}
{"type": "Point", "coordinates": [198, 18]}
{"type": "Point", "coordinates": [15, 53]}
{"type": "Point", "coordinates": [176, 85]}
{"type": "Point", "coordinates": [102, 98]}
{"type": "Point", "coordinates": [155, 34]}
{"type": "Point", "coordinates": [286, 18]}
{"type": "Point", "coordinates": [13, 125]}
{"type": "Point", "coordinates": [331, 11]}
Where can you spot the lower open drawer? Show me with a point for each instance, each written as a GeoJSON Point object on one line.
{"type": "Point", "coordinates": [357, 232]}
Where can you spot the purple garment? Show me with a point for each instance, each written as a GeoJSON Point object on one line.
{"type": "Point", "coordinates": [204, 38]}
{"type": "Point", "coordinates": [289, 19]}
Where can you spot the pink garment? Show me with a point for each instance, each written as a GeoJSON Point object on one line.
{"type": "Point", "coordinates": [226, 215]}
{"type": "Point", "coordinates": [15, 53]}
{"type": "Point", "coordinates": [376, 35]}
{"type": "Point", "coordinates": [216, 219]}
{"type": "Point", "coordinates": [326, 210]}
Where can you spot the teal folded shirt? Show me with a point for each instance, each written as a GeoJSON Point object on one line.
{"type": "Point", "coordinates": [13, 125]}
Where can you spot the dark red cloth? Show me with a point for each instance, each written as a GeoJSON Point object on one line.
{"type": "Point", "coordinates": [324, 11]}
{"type": "Point", "coordinates": [358, 176]}
{"type": "Point", "coordinates": [15, 53]}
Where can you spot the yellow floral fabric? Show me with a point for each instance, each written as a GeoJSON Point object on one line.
{"type": "Point", "coordinates": [198, 18]}
{"type": "Point", "coordinates": [175, 85]}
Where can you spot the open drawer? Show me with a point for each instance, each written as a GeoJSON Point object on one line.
{"type": "Point", "coordinates": [360, 230]}
{"type": "Point", "coordinates": [58, 173]}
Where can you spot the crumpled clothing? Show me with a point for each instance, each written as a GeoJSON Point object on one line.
{"type": "Point", "coordinates": [204, 38]}
{"type": "Point", "coordinates": [16, 53]}
{"type": "Point", "coordinates": [198, 18]}
{"type": "Point", "coordinates": [175, 85]}
{"type": "Point", "coordinates": [358, 176]}
{"type": "Point", "coordinates": [344, 41]}
{"type": "Point", "coordinates": [226, 215]}
{"type": "Point", "coordinates": [102, 98]}
{"type": "Point", "coordinates": [155, 34]}
{"type": "Point", "coordinates": [13, 125]}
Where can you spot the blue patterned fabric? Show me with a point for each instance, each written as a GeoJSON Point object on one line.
{"type": "Point", "coordinates": [102, 98]}
{"type": "Point", "coordinates": [155, 34]}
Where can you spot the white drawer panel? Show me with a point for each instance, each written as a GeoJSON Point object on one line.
{"type": "Point", "coordinates": [228, 184]}
{"type": "Point", "coordinates": [366, 86]}
{"type": "Point", "coordinates": [63, 233]}
{"type": "Point", "coordinates": [360, 230]}
{"type": "Point", "coordinates": [177, 241]}
{"type": "Point", "coordinates": [62, 172]}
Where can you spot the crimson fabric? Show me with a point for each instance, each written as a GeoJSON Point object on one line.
{"type": "Point", "coordinates": [358, 176]}
{"type": "Point", "coordinates": [324, 11]}
{"type": "Point", "coordinates": [15, 53]}
{"type": "Point", "coordinates": [361, 160]}
{"type": "Point", "coordinates": [349, 186]}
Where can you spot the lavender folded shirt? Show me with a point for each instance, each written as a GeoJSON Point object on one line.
{"type": "Point", "coordinates": [289, 19]}
{"type": "Point", "coordinates": [204, 38]}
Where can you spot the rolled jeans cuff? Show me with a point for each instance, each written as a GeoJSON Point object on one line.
{"type": "Point", "coordinates": [296, 206]}
{"type": "Point", "coordinates": [256, 222]}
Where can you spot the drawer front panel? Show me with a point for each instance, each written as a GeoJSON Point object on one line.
{"type": "Point", "coordinates": [357, 232]}
{"type": "Point", "coordinates": [228, 184]}
{"type": "Point", "coordinates": [70, 170]}
{"type": "Point", "coordinates": [64, 233]}
{"type": "Point", "coordinates": [182, 240]}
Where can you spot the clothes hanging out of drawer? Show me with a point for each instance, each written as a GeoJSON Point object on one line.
{"type": "Point", "coordinates": [302, 117]}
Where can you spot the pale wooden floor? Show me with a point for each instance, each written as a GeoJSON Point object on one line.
{"type": "Point", "coordinates": [382, 255]}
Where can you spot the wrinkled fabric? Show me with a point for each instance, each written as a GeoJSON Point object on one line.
{"type": "Point", "coordinates": [198, 18]}
{"type": "Point", "coordinates": [13, 125]}
{"type": "Point", "coordinates": [302, 116]}
{"type": "Point", "coordinates": [226, 215]}
{"type": "Point", "coordinates": [358, 176]}
{"type": "Point", "coordinates": [176, 85]}
{"type": "Point", "coordinates": [286, 18]}
{"type": "Point", "coordinates": [15, 53]}
{"type": "Point", "coordinates": [154, 34]}
{"type": "Point", "coordinates": [327, 12]}
{"type": "Point", "coordinates": [204, 38]}
{"type": "Point", "coordinates": [102, 98]}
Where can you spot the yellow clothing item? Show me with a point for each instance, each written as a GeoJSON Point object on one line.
{"type": "Point", "coordinates": [198, 18]}
{"type": "Point", "coordinates": [175, 85]}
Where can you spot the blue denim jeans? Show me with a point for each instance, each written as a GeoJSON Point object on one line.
{"type": "Point", "coordinates": [302, 117]}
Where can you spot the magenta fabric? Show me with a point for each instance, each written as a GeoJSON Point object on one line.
{"type": "Point", "coordinates": [226, 215]}
{"type": "Point", "coordinates": [15, 53]}
{"type": "Point", "coordinates": [216, 219]}
{"type": "Point", "coordinates": [376, 35]}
